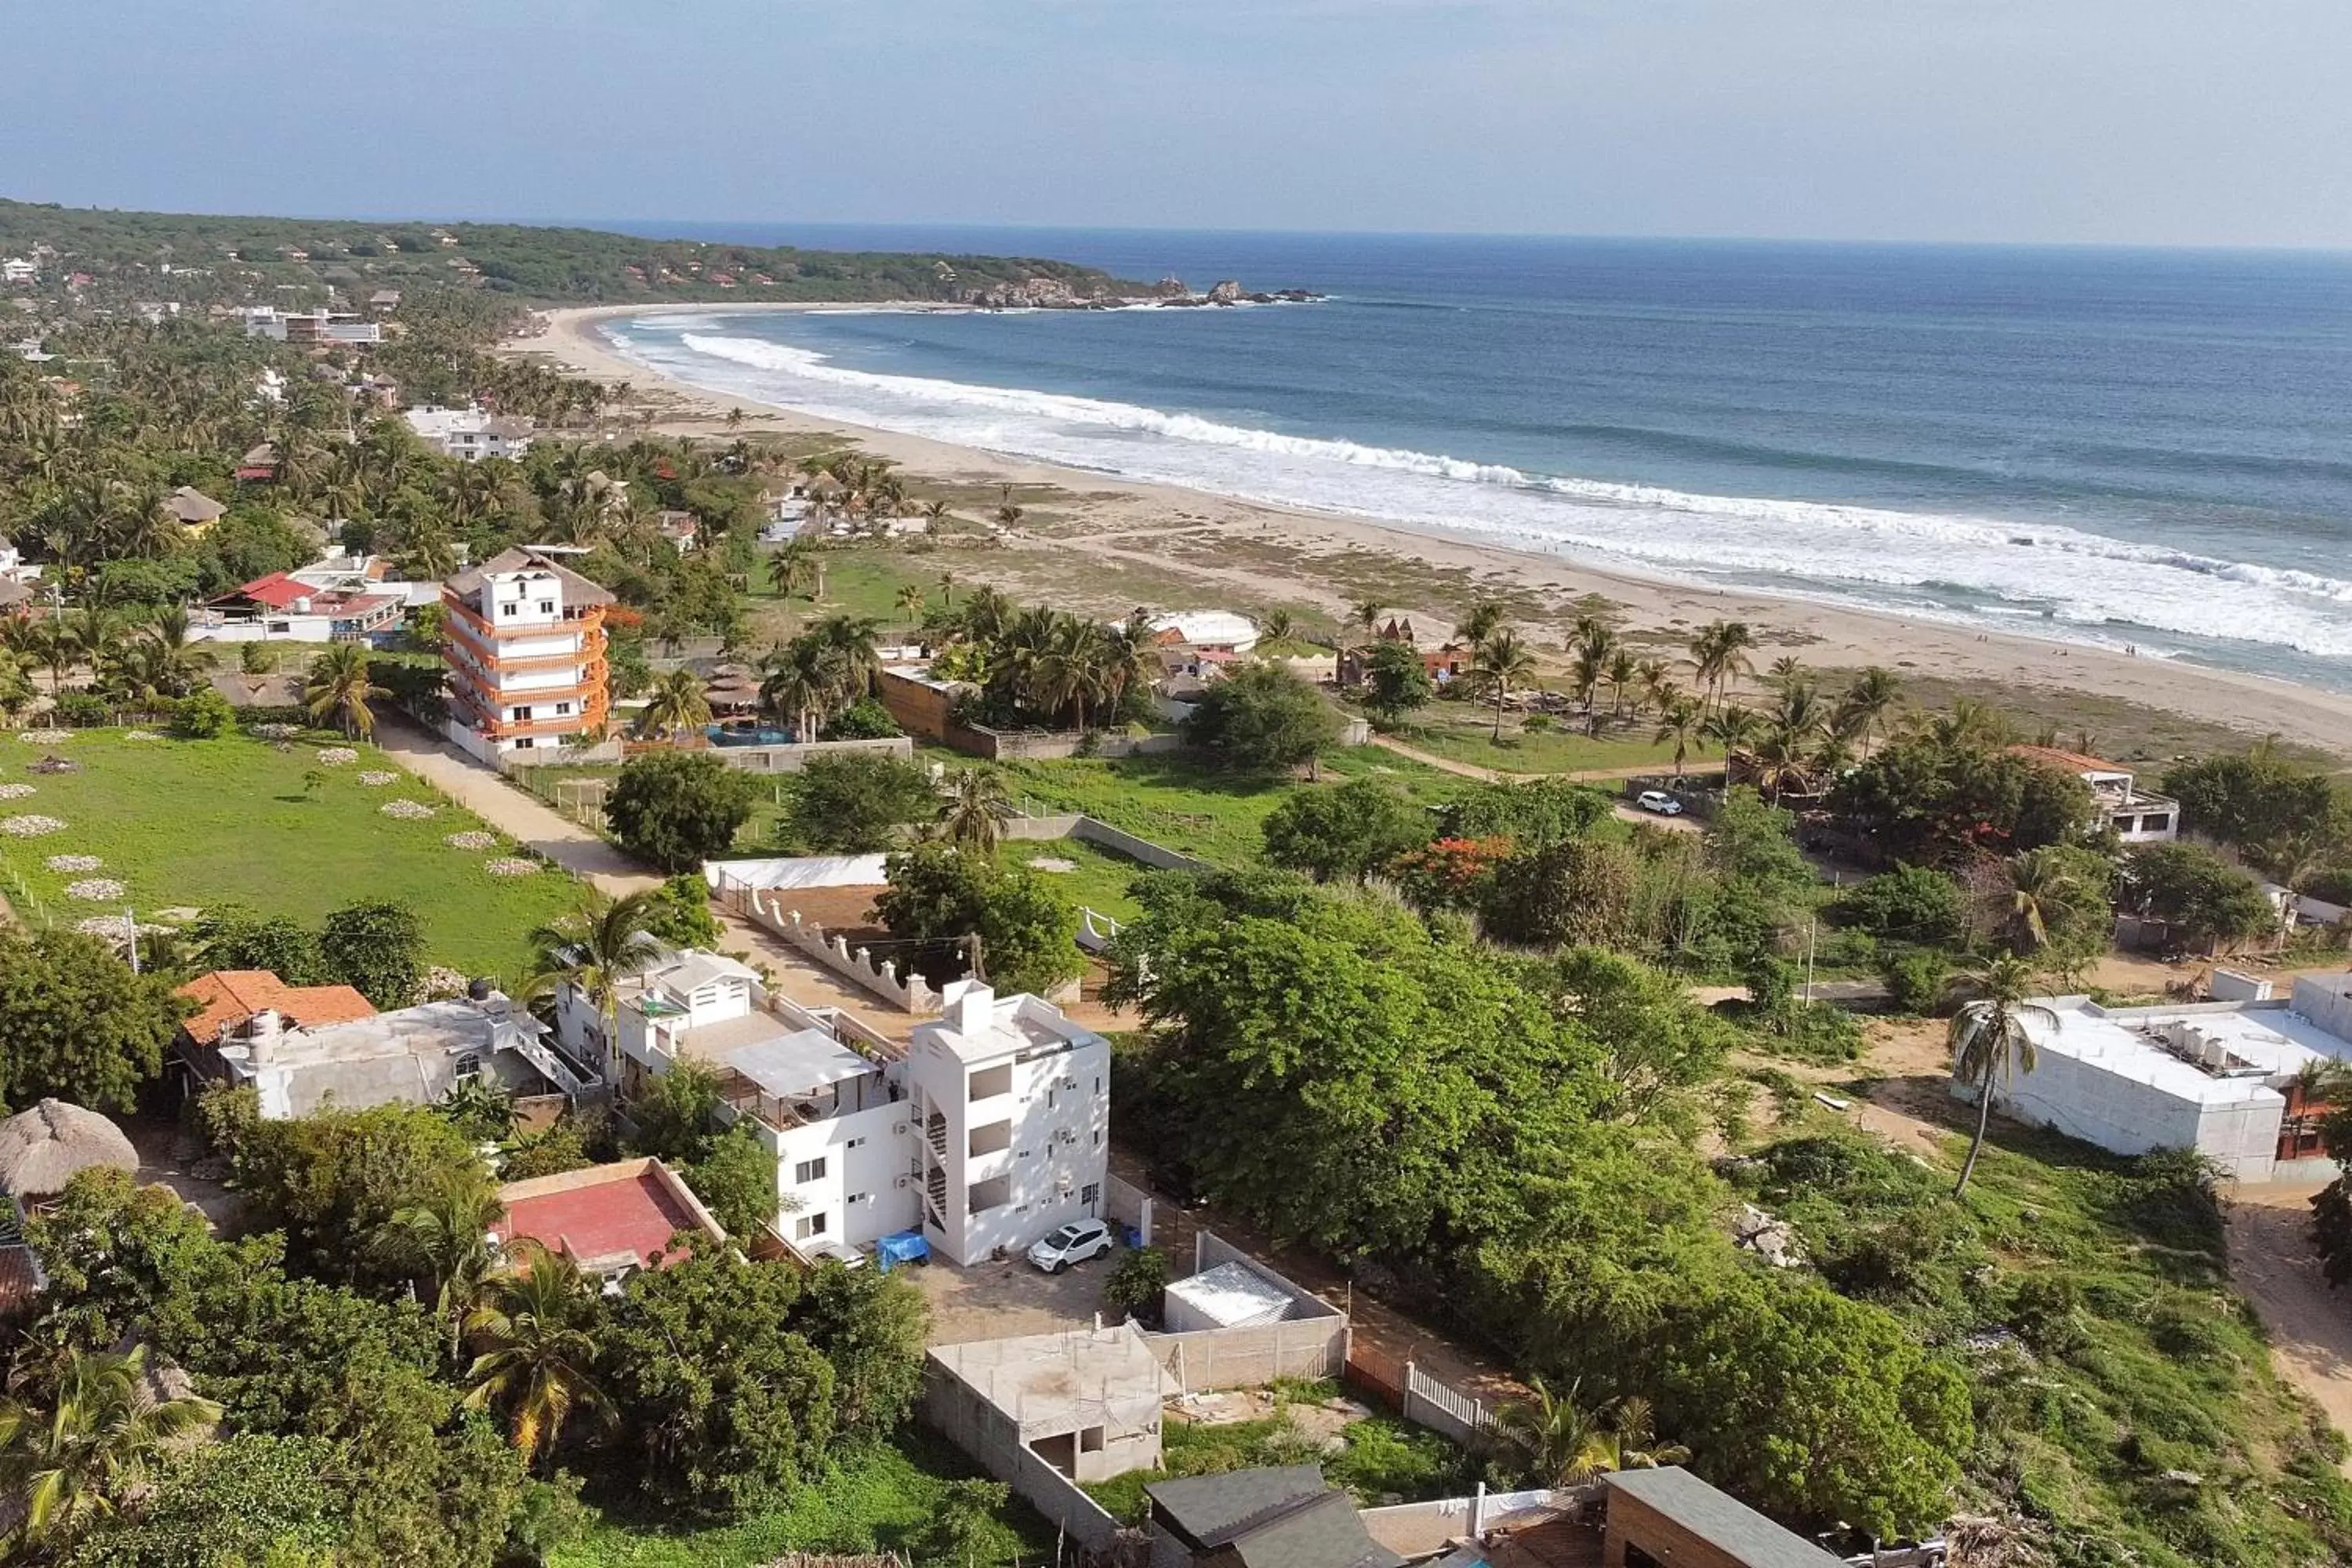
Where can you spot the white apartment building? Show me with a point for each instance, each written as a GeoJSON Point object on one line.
{"type": "Point", "coordinates": [470, 434]}
{"type": "Point", "coordinates": [311, 328]}
{"type": "Point", "coordinates": [525, 648]}
{"type": "Point", "coordinates": [989, 1131]}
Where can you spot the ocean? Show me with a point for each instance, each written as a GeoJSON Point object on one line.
{"type": "Point", "coordinates": [2139, 447]}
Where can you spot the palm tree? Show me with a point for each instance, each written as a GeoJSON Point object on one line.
{"type": "Point", "coordinates": [597, 945]}
{"type": "Point", "coordinates": [1500, 661]}
{"type": "Point", "coordinates": [947, 590]}
{"type": "Point", "coordinates": [445, 1240]}
{"type": "Point", "coordinates": [1678, 720]}
{"type": "Point", "coordinates": [675, 707]}
{"type": "Point", "coordinates": [975, 809]}
{"type": "Point", "coordinates": [1622, 669]}
{"type": "Point", "coordinates": [1365, 615]}
{"type": "Point", "coordinates": [100, 1438]}
{"type": "Point", "coordinates": [1562, 1439]}
{"type": "Point", "coordinates": [1989, 1040]}
{"type": "Point", "coordinates": [1868, 699]}
{"type": "Point", "coordinates": [909, 603]}
{"type": "Point", "coordinates": [1732, 729]}
{"type": "Point", "coordinates": [1484, 620]}
{"type": "Point", "coordinates": [1632, 1432]}
{"type": "Point", "coordinates": [1010, 515]}
{"type": "Point", "coordinates": [339, 686]}
{"type": "Point", "coordinates": [1787, 671]}
{"type": "Point", "coordinates": [935, 517]}
{"type": "Point", "coordinates": [537, 1350]}
{"type": "Point", "coordinates": [2038, 879]}
{"type": "Point", "coordinates": [795, 569]}
{"type": "Point", "coordinates": [800, 684]}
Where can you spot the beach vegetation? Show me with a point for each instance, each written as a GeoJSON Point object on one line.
{"type": "Point", "coordinates": [855, 802]}
{"type": "Point", "coordinates": [956, 912]}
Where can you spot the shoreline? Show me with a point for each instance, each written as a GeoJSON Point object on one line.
{"type": "Point", "coordinates": [1131, 521]}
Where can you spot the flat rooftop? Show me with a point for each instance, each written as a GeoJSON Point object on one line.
{"type": "Point", "coordinates": [607, 1216]}
{"type": "Point", "coordinates": [2270, 1038]}
{"type": "Point", "coordinates": [1049, 1384]}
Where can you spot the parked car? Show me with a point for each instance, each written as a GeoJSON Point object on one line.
{"type": "Point", "coordinates": [1658, 802]}
{"type": "Point", "coordinates": [1075, 1242]}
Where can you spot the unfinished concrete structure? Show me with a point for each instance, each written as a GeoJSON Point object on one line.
{"type": "Point", "coordinates": [1085, 1403]}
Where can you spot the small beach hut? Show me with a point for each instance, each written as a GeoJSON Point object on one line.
{"type": "Point", "coordinates": [732, 689]}
{"type": "Point", "coordinates": [43, 1149]}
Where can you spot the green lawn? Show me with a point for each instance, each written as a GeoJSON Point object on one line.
{"type": "Point", "coordinates": [1099, 881]}
{"type": "Point", "coordinates": [1173, 800]}
{"type": "Point", "coordinates": [858, 580]}
{"type": "Point", "coordinates": [1465, 734]}
{"type": "Point", "coordinates": [196, 823]}
{"type": "Point", "coordinates": [876, 1501]}
{"type": "Point", "coordinates": [1381, 1461]}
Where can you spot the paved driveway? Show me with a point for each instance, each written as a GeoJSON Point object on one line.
{"type": "Point", "coordinates": [525, 819]}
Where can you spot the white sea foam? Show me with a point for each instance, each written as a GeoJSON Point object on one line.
{"type": "Point", "coordinates": [2077, 582]}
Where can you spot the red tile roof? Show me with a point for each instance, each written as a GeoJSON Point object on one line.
{"type": "Point", "coordinates": [607, 1217]}
{"type": "Point", "coordinates": [227, 996]}
{"type": "Point", "coordinates": [278, 591]}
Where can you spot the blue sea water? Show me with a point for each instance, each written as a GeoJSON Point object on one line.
{"type": "Point", "coordinates": [2151, 447]}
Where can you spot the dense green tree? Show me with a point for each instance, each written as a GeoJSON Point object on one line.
{"type": "Point", "coordinates": [1396, 681]}
{"type": "Point", "coordinates": [204, 715]}
{"type": "Point", "coordinates": [679, 913]}
{"type": "Point", "coordinates": [76, 1023]}
{"type": "Point", "coordinates": [252, 1500]}
{"type": "Point", "coordinates": [735, 1176]}
{"type": "Point", "coordinates": [943, 897]}
{"type": "Point", "coordinates": [1528, 813]}
{"type": "Point", "coordinates": [2260, 803]}
{"type": "Point", "coordinates": [333, 1179]}
{"type": "Point", "coordinates": [1571, 890]}
{"type": "Point", "coordinates": [724, 1405]}
{"type": "Point", "coordinates": [376, 947]}
{"type": "Point", "coordinates": [855, 802]}
{"type": "Point", "coordinates": [1261, 719]}
{"type": "Point", "coordinates": [678, 809]}
{"type": "Point", "coordinates": [1944, 797]}
{"type": "Point", "coordinates": [2203, 897]}
{"type": "Point", "coordinates": [872, 1327]}
{"type": "Point", "coordinates": [1344, 833]}
{"type": "Point", "coordinates": [1910, 903]}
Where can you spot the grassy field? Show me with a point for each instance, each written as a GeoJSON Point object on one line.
{"type": "Point", "coordinates": [234, 820]}
{"type": "Point", "coordinates": [862, 581]}
{"type": "Point", "coordinates": [1465, 734]}
{"type": "Point", "coordinates": [1172, 800]}
{"type": "Point", "coordinates": [876, 1501]}
{"type": "Point", "coordinates": [1099, 879]}
{"type": "Point", "coordinates": [1381, 1460]}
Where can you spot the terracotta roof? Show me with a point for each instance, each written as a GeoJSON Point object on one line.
{"type": "Point", "coordinates": [227, 996]}
{"type": "Point", "coordinates": [2071, 762]}
{"type": "Point", "coordinates": [606, 1218]}
{"type": "Point", "coordinates": [278, 591]}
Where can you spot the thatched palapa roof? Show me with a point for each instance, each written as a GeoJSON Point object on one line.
{"type": "Point", "coordinates": [43, 1149]}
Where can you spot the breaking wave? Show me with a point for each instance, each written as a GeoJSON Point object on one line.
{"type": "Point", "coordinates": [2089, 585]}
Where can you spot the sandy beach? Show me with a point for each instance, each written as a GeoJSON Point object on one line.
{"type": "Point", "coordinates": [1248, 554]}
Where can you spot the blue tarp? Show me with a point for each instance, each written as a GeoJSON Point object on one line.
{"type": "Point", "coordinates": [901, 1247]}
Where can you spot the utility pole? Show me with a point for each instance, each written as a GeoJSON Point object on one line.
{"type": "Point", "coordinates": [1812, 927]}
{"type": "Point", "coordinates": [130, 935]}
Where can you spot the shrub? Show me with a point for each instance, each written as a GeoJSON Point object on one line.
{"type": "Point", "coordinates": [1135, 1287]}
{"type": "Point", "coordinates": [204, 716]}
{"type": "Point", "coordinates": [1916, 980]}
{"type": "Point", "coordinates": [864, 720]}
{"type": "Point", "coordinates": [1262, 718]}
{"type": "Point", "coordinates": [81, 711]}
{"type": "Point", "coordinates": [1910, 903]}
{"type": "Point", "coordinates": [676, 809]}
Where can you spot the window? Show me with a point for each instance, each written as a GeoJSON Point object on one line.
{"type": "Point", "coordinates": [855, 1143]}
{"type": "Point", "coordinates": [508, 609]}
{"type": "Point", "coordinates": [1091, 1194]}
{"type": "Point", "coordinates": [547, 606]}
{"type": "Point", "coordinates": [989, 1082]}
{"type": "Point", "coordinates": [859, 1198]}
{"type": "Point", "coordinates": [562, 708]}
{"type": "Point", "coordinates": [1090, 1440]}
{"type": "Point", "coordinates": [808, 1171]}
{"type": "Point", "coordinates": [807, 1225]}
{"type": "Point", "coordinates": [1098, 1137]}
{"type": "Point", "coordinates": [525, 744]}
{"type": "Point", "coordinates": [522, 715]}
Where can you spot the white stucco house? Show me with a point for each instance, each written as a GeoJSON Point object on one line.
{"type": "Point", "coordinates": [470, 434]}
{"type": "Point", "coordinates": [990, 1129]}
{"type": "Point", "coordinates": [2223, 1077]}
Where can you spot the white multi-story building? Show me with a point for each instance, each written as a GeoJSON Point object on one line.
{"type": "Point", "coordinates": [987, 1132]}
{"type": "Point", "coordinates": [470, 434]}
{"type": "Point", "coordinates": [525, 650]}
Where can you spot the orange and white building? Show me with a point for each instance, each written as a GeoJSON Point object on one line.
{"type": "Point", "coordinates": [525, 648]}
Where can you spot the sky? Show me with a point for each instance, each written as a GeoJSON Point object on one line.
{"type": "Point", "coordinates": [2132, 122]}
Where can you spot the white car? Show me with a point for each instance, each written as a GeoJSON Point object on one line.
{"type": "Point", "coordinates": [1075, 1242]}
{"type": "Point", "coordinates": [1658, 802]}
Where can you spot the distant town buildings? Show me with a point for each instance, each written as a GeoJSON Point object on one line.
{"type": "Point", "coordinates": [525, 648]}
{"type": "Point", "coordinates": [312, 329]}
{"type": "Point", "coordinates": [470, 434]}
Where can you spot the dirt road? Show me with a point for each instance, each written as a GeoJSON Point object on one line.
{"type": "Point", "coordinates": [2273, 1261]}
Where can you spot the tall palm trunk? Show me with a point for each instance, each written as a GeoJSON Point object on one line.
{"type": "Point", "coordinates": [1976, 1144]}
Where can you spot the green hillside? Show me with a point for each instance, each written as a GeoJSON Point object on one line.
{"type": "Point", "coordinates": [205, 259]}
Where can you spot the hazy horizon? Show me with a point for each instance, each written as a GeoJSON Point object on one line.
{"type": "Point", "coordinates": [2162, 124]}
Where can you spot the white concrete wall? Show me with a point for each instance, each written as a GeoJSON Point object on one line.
{"type": "Point", "coordinates": [2125, 1116]}
{"type": "Point", "coordinates": [1060, 1123]}
{"type": "Point", "coordinates": [876, 1171]}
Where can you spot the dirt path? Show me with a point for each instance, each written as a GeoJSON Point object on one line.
{"type": "Point", "coordinates": [1496, 775]}
{"type": "Point", "coordinates": [2273, 1261]}
{"type": "Point", "coordinates": [482, 791]}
